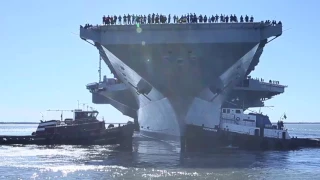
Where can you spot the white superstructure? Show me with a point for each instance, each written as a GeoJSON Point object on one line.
{"type": "Point", "coordinates": [234, 120]}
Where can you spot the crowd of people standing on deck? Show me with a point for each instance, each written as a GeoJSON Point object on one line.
{"type": "Point", "coordinates": [163, 19]}
{"type": "Point", "coordinates": [189, 18]}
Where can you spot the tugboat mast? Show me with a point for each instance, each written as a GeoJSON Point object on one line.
{"type": "Point", "coordinates": [61, 112]}
{"type": "Point", "coordinates": [84, 105]}
{"type": "Point", "coordinates": [42, 116]}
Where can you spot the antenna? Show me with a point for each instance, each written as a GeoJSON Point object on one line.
{"type": "Point", "coordinates": [59, 110]}
{"type": "Point", "coordinates": [41, 115]}
{"type": "Point", "coordinates": [78, 105]}
{"type": "Point", "coordinates": [84, 105]}
{"type": "Point", "coordinates": [61, 116]}
{"type": "Point", "coordinates": [99, 70]}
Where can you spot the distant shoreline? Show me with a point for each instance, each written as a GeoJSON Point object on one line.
{"type": "Point", "coordinates": [38, 123]}
{"type": "Point", "coordinates": [298, 122]}
{"type": "Point", "coordinates": [125, 123]}
{"type": "Point", "coordinates": [19, 123]}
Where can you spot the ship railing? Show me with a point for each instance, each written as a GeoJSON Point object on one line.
{"type": "Point", "coordinates": [92, 85]}
{"type": "Point", "coordinates": [135, 24]}
{"type": "Point", "coordinates": [113, 83]}
{"type": "Point", "coordinates": [270, 82]}
{"type": "Point", "coordinates": [108, 84]}
{"type": "Point", "coordinates": [96, 85]}
{"type": "Point", "coordinates": [102, 26]}
{"type": "Point", "coordinates": [234, 121]}
{"type": "Point", "coordinates": [110, 81]}
{"type": "Point", "coordinates": [228, 116]}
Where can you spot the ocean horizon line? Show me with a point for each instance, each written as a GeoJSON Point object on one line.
{"type": "Point", "coordinates": [13, 122]}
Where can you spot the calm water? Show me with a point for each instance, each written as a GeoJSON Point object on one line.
{"type": "Point", "coordinates": [154, 160]}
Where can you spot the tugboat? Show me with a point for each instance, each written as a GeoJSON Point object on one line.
{"type": "Point", "coordinates": [84, 129]}
{"type": "Point", "coordinates": [253, 131]}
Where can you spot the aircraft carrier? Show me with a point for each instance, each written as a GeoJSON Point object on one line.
{"type": "Point", "coordinates": [170, 75]}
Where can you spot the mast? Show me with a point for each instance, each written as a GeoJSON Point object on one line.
{"type": "Point", "coordinates": [42, 116]}
{"type": "Point", "coordinates": [61, 116]}
{"type": "Point", "coordinates": [84, 106]}
{"type": "Point", "coordinates": [99, 70]}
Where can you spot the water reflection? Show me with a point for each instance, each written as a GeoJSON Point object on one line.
{"type": "Point", "coordinates": [151, 158]}
{"type": "Point", "coordinates": [157, 154]}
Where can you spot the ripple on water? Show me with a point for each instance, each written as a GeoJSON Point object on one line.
{"type": "Point", "coordinates": [153, 160]}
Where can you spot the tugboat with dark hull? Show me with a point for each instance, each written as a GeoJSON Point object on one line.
{"type": "Point", "coordinates": [84, 129]}
{"type": "Point", "coordinates": [253, 131]}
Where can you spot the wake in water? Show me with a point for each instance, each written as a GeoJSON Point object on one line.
{"type": "Point", "coordinates": [152, 159]}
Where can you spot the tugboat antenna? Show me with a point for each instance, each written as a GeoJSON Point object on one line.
{"type": "Point", "coordinates": [61, 116]}
{"type": "Point", "coordinates": [84, 105]}
{"type": "Point", "coordinates": [41, 116]}
{"type": "Point", "coordinates": [59, 110]}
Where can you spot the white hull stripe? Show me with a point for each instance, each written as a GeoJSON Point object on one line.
{"type": "Point", "coordinates": [53, 125]}
{"type": "Point", "coordinates": [47, 123]}
{"type": "Point", "coordinates": [40, 129]}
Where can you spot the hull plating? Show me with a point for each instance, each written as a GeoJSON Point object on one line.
{"type": "Point", "coordinates": [166, 118]}
{"type": "Point", "coordinates": [173, 68]}
{"type": "Point", "coordinates": [180, 91]}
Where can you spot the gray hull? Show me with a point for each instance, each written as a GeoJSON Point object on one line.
{"type": "Point", "coordinates": [182, 96]}
{"type": "Point", "coordinates": [179, 73]}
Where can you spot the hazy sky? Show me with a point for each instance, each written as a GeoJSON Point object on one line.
{"type": "Point", "coordinates": [45, 65]}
